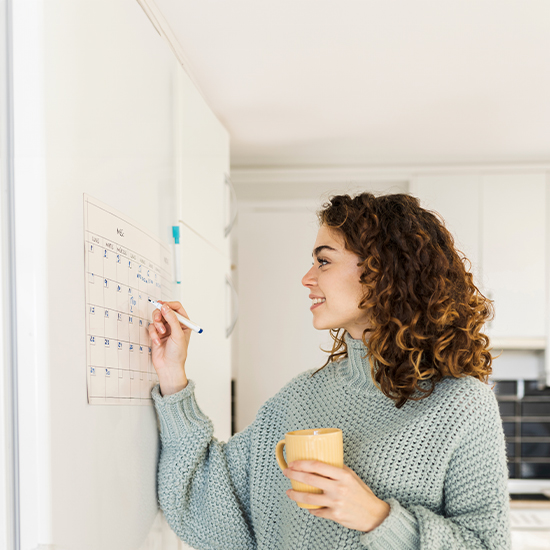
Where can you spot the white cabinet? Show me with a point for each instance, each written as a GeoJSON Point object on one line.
{"type": "Point", "coordinates": [204, 208]}
{"type": "Point", "coordinates": [202, 166]}
{"type": "Point", "coordinates": [205, 297]}
{"type": "Point", "coordinates": [513, 238]}
{"type": "Point", "coordinates": [499, 222]}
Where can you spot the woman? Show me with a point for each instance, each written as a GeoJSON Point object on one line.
{"type": "Point", "coordinates": [406, 381]}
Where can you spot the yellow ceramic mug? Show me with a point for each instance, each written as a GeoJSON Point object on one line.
{"type": "Point", "coordinates": [323, 444]}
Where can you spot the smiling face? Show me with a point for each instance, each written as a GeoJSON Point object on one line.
{"type": "Point", "coordinates": [334, 276]}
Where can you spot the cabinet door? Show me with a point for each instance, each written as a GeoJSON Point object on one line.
{"type": "Point", "coordinates": [202, 166]}
{"type": "Point", "coordinates": [514, 250]}
{"type": "Point", "coordinates": [203, 294]}
{"type": "Point", "coordinates": [457, 199]}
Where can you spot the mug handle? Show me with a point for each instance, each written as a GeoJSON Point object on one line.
{"type": "Point", "coordinates": [279, 454]}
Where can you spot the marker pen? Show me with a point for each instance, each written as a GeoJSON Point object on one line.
{"type": "Point", "coordinates": [177, 253]}
{"type": "Point", "coordinates": [181, 318]}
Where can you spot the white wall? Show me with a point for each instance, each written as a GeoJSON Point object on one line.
{"type": "Point", "coordinates": [94, 111]}
{"type": "Point", "coordinates": [6, 448]}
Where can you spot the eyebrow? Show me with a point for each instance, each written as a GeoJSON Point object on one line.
{"type": "Point", "coordinates": [319, 248]}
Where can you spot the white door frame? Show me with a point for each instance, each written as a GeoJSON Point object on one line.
{"type": "Point", "coordinates": [9, 440]}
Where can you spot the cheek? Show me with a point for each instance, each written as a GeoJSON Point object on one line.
{"type": "Point", "coordinates": [353, 293]}
{"type": "Point", "coordinates": [343, 290]}
{"type": "Point", "coordinates": [343, 298]}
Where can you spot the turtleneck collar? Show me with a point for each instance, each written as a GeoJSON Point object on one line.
{"type": "Point", "coordinates": [355, 370]}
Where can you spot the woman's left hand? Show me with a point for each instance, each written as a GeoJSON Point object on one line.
{"type": "Point", "coordinates": [346, 498]}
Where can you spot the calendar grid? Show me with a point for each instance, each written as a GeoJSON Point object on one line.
{"type": "Point", "coordinates": [124, 267]}
{"type": "Point", "coordinates": [160, 270]}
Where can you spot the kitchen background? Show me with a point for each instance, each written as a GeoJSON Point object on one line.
{"type": "Point", "coordinates": [269, 107]}
{"type": "Point", "coordinates": [448, 102]}
{"type": "Point", "coordinates": [499, 218]}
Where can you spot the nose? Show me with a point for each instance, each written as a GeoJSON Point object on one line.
{"type": "Point", "coordinates": [309, 279]}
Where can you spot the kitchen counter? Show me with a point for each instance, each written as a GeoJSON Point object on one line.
{"type": "Point", "coordinates": [530, 520]}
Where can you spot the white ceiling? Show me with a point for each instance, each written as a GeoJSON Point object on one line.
{"type": "Point", "coordinates": [327, 83]}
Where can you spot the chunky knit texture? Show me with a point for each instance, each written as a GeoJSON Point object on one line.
{"type": "Point", "coordinates": [439, 462]}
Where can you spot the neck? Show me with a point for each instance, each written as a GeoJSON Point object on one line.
{"type": "Point", "coordinates": [356, 370]}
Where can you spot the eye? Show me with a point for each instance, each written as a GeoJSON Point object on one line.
{"type": "Point", "coordinates": [321, 260]}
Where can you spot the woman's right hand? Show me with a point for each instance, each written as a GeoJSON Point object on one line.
{"type": "Point", "coordinates": [170, 340]}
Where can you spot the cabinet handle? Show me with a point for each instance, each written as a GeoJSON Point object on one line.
{"type": "Point", "coordinates": [229, 329]}
{"type": "Point", "coordinates": [233, 201]}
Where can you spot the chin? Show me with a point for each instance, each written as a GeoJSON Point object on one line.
{"type": "Point", "coordinates": [318, 325]}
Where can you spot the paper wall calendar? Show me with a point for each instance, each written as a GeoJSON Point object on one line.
{"type": "Point", "coordinates": [125, 266]}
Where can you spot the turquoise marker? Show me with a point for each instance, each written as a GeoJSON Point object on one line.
{"type": "Point", "coordinates": [176, 235]}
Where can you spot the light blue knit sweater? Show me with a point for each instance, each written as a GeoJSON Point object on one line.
{"type": "Point", "coordinates": [440, 463]}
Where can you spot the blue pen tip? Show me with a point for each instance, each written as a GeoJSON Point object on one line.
{"type": "Point", "coordinates": [200, 331]}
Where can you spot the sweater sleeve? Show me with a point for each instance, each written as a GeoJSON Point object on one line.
{"type": "Point", "coordinates": [476, 511]}
{"type": "Point", "coordinates": [202, 482]}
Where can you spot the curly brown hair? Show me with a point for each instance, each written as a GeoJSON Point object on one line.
{"type": "Point", "coordinates": [426, 314]}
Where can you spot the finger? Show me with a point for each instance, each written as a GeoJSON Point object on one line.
{"type": "Point", "coordinates": [154, 334]}
{"type": "Point", "coordinates": [309, 498]}
{"type": "Point", "coordinates": [170, 316]}
{"type": "Point", "coordinates": [314, 480]}
{"type": "Point", "coordinates": [325, 513]}
{"type": "Point", "coordinates": [157, 316]}
{"type": "Point", "coordinates": [316, 467]}
{"type": "Point", "coordinates": [159, 322]}
{"type": "Point", "coordinates": [176, 306]}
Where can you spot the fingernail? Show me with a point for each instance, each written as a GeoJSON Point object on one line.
{"type": "Point", "coordinates": [164, 308]}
